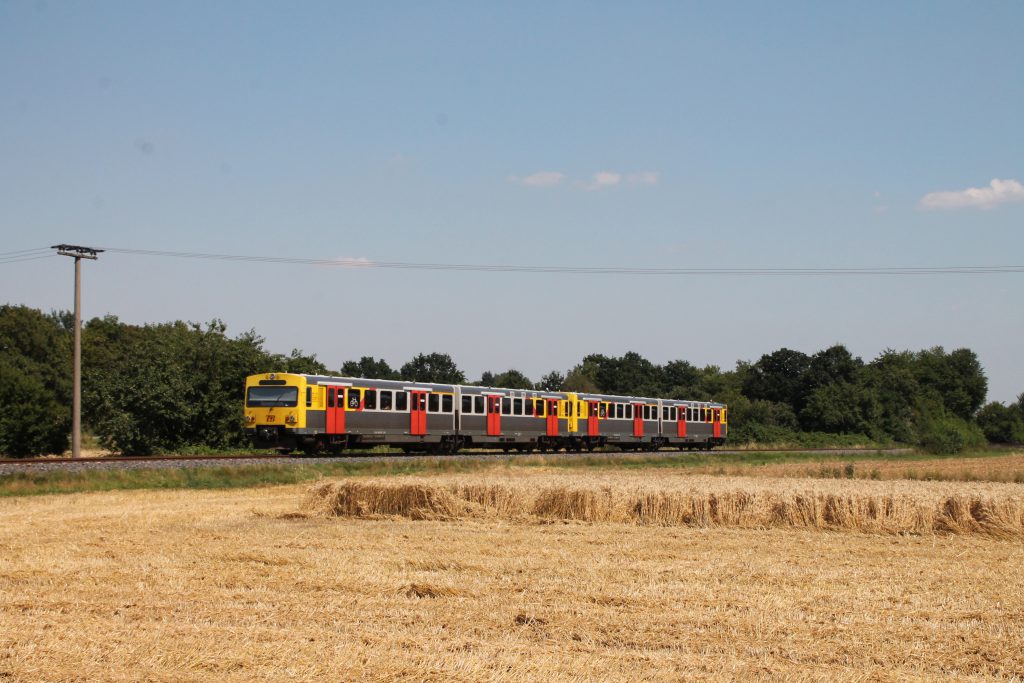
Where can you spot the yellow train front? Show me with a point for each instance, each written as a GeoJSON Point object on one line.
{"type": "Point", "coordinates": [275, 417]}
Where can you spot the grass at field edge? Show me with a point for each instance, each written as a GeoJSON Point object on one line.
{"type": "Point", "coordinates": [272, 474]}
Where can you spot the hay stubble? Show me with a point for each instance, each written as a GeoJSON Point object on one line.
{"type": "Point", "coordinates": [245, 585]}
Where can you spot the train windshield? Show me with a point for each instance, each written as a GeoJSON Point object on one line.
{"type": "Point", "coordinates": [272, 397]}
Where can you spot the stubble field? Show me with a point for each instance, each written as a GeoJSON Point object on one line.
{"type": "Point", "coordinates": [519, 574]}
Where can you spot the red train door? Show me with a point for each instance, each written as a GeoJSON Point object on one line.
{"type": "Point", "coordinates": [717, 427]}
{"type": "Point", "coordinates": [335, 410]}
{"type": "Point", "coordinates": [592, 425]}
{"type": "Point", "coordinates": [681, 420]}
{"type": "Point", "coordinates": [418, 413]}
{"type": "Point", "coordinates": [552, 417]}
{"type": "Point", "coordinates": [494, 416]}
{"type": "Point", "coordinates": [638, 419]}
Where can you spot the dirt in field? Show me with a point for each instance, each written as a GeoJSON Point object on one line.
{"type": "Point", "coordinates": [255, 585]}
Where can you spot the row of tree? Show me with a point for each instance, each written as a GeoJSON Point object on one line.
{"type": "Point", "coordinates": [172, 386]}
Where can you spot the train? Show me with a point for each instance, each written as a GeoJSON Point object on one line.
{"type": "Point", "coordinates": [318, 414]}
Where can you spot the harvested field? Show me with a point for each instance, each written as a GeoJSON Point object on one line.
{"type": "Point", "coordinates": [250, 584]}
{"type": "Point", "coordinates": [995, 468]}
{"type": "Point", "coordinates": [676, 499]}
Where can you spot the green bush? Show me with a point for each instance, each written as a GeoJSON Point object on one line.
{"type": "Point", "coordinates": [949, 435]}
{"type": "Point", "coordinates": [756, 432]}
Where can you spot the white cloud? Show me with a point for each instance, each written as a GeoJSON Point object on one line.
{"type": "Point", "coordinates": [597, 181]}
{"type": "Point", "coordinates": [997, 192]}
{"type": "Point", "coordinates": [539, 179]}
{"type": "Point", "coordinates": [602, 179]}
{"type": "Point", "coordinates": [643, 178]}
{"type": "Point", "coordinates": [348, 261]}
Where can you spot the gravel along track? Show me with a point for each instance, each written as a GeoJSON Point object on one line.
{"type": "Point", "coordinates": [122, 463]}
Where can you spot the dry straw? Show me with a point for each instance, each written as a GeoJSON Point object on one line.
{"type": "Point", "coordinates": [872, 507]}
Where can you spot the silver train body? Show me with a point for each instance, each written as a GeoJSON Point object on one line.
{"type": "Point", "coordinates": [318, 414]}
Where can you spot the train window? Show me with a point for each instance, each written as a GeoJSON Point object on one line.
{"type": "Point", "coordinates": [309, 396]}
{"type": "Point", "coordinates": [272, 397]}
{"type": "Point", "coordinates": [354, 399]}
{"type": "Point", "coordinates": [628, 411]}
{"type": "Point", "coordinates": [467, 404]}
{"type": "Point", "coordinates": [446, 403]}
{"type": "Point", "coordinates": [517, 406]}
{"type": "Point", "coordinates": [619, 412]}
{"type": "Point", "coordinates": [703, 415]}
{"type": "Point", "coordinates": [370, 399]}
{"type": "Point", "coordinates": [604, 410]}
{"type": "Point", "coordinates": [330, 398]}
{"type": "Point", "coordinates": [646, 412]}
{"type": "Point", "coordinates": [506, 406]}
{"type": "Point", "coordinates": [385, 400]}
{"type": "Point", "coordinates": [528, 407]}
{"type": "Point", "coordinates": [478, 405]}
{"type": "Point", "coordinates": [433, 403]}
{"type": "Point", "coordinates": [723, 414]}
{"type": "Point", "coordinates": [664, 412]}
{"type": "Point", "coordinates": [541, 405]}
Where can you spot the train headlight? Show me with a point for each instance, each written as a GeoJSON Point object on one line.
{"type": "Point", "coordinates": [290, 419]}
{"type": "Point", "coordinates": [250, 418]}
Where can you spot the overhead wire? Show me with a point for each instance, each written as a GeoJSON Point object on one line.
{"type": "Point", "coordinates": [23, 255]}
{"type": "Point", "coordinates": [575, 270]}
{"type": "Point", "coordinates": [22, 259]}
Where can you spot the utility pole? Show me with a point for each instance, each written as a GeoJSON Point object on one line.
{"type": "Point", "coordinates": [78, 253]}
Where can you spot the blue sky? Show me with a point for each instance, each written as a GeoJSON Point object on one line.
{"type": "Point", "coordinates": [575, 134]}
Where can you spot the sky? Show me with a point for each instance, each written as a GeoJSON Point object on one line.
{"type": "Point", "coordinates": [568, 134]}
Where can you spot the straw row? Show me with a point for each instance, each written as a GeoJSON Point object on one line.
{"type": "Point", "coordinates": [859, 510]}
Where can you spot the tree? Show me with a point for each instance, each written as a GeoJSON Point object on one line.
{"type": "Point", "coordinates": [173, 386]}
{"type": "Point", "coordinates": [679, 378]}
{"type": "Point", "coordinates": [513, 379]}
{"type": "Point", "coordinates": [35, 382]}
{"type": "Point", "coordinates": [368, 367]}
{"type": "Point", "coordinates": [779, 376]}
{"type": "Point", "coordinates": [834, 364]}
{"type": "Point", "coordinates": [890, 377]}
{"type": "Point", "coordinates": [630, 375]}
{"type": "Point", "coordinates": [840, 408]}
{"type": "Point", "coordinates": [433, 367]}
{"type": "Point", "coordinates": [1002, 424]}
{"type": "Point", "coordinates": [578, 380]}
{"type": "Point", "coordinates": [553, 381]}
{"type": "Point", "coordinates": [956, 379]}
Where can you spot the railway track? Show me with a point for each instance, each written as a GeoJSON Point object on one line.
{"type": "Point", "coordinates": [8, 466]}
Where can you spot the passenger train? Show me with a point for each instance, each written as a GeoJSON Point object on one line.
{"type": "Point", "coordinates": [318, 414]}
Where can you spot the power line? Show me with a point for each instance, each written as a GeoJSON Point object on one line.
{"type": "Point", "coordinates": [13, 259]}
{"type": "Point", "coordinates": [23, 251]}
{"type": "Point", "coordinates": [573, 270]}
{"type": "Point", "coordinates": [23, 255]}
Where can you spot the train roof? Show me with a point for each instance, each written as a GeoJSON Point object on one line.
{"type": "Point", "coordinates": [475, 390]}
